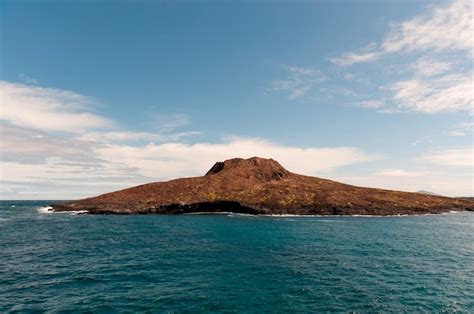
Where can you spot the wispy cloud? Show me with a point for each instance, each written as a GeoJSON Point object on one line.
{"type": "Point", "coordinates": [462, 129]}
{"type": "Point", "coordinates": [24, 145]}
{"type": "Point", "coordinates": [456, 133]}
{"type": "Point", "coordinates": [54, 110]}
{"type": "Point", "coordinates": [447, 93]}
{"type": "Point", "coordinates": [350, 58]}
{"type": "Point", "coordinates": [445, 28]}
{"type": "Point", "coordinates": [400, 173]}
{"type": "Point", "coordinates": [441, 182]}
{"type": "Point", "coordinates": [355, 77]}
{"type": "Point", "coordinates": [27, 79]}
{"type": "Point", "coordinates": [441, 78]}
{"type": "Point", "coordinates": [48, 109]}
{"type": "Point", "coordinates": [36, 164]}
{"type": "Point", "coordinates": [462, 156]}
{"type": "Point", "coordinates": [371, 104]}
{"type": "Point", "coordinates": [427, 66]}
{"type": "Point", "coordinates": [299, 81]}
{"type": "Point", "coordinates": [130, 136]}
{"type": "Point", "coordinates": [168, 122]}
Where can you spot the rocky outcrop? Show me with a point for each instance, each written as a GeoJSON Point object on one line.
{"type": "Point", "coordinates": [262, 186]}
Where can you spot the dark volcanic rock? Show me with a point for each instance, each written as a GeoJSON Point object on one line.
{"type": "Point", "coordinates": [262, 186]}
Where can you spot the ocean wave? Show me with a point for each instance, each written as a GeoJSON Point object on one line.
{"type": "Point", "coordinates": [313, 216]}
{"type": "Point", "coordinates": [77, 212]}
{"type": "Point", "coordinates": [289, 215]}
{"type": "Point", "coordinates": [44, 210]}
{"type": "Point", "coordinates": [209, 213]}
{"type": "Point", "coordinates": [72, 212]}
{"type": "Point", "coordinates": [221, 214]}
{"type": "Point", "coordinates": [49, 210]}
{"type": "Point", "coordinates": [329, 216]}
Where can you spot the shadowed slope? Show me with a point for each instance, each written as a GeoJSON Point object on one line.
{"type": "Point", "coordinates": [262, 186]}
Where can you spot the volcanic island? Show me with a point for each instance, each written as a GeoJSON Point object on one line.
{"type": "Point", "coordinates": [260, 186]}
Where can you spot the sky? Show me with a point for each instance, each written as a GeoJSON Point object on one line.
{"type": "Point", "coordinates": [101, 95]}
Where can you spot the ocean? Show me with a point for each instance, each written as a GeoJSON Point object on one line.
{"type": "Point", "coordinates": [233, 263]}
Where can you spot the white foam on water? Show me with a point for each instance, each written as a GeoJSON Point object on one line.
{"type": "Point", "coordinates": [79, 212]}
{"type": "Point", "coordinates": [49, 210]}
{"type": "Point", "coordinates": [365, 216]}
{"type": "Point", "coordinates": [13, 206]}
{"type": "Point", "coordinates": [73, 212]}
{"type": "Point", "coordinates": [308, 216]}
{"type": "Point", "coordinates": [45, 210]}
{"type": "Point", "coordinates": [318, 216]}
{"type": "Point", "coordinates": [242, 214]}
{"type": "Point", "coordinates": [230, 214]}
{"type": "Point", "coordinates": [210, 213]}
{"type": "Point", "coordinates": [282, 215]}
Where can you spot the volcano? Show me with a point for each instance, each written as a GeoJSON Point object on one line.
{"type": "Point", "coordinates": [261, 186]}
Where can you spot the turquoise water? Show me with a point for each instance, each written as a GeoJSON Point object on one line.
{"type": "Point", "coordinates": [64, 262]}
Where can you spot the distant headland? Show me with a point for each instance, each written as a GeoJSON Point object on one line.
{"type": "Point", "coordinates": [262, 187]}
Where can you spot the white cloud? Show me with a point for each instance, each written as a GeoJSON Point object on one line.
{"type": "Point", "coordinates": [355, 77]}
{"type": "Point", "coordinates": [48, 109]}
{"type": "Point", "coordinates": [350, 58]}
{"type": "Point", "coordinates": [456, 133]}
{"type": "Point", "coordinates": [371, 104]}
{"type": "Point", "coordinates": [32, 146]}
{"type": "Point", "coordinates": [171, 160]}
{"type": "Point", "coordinates": [56, 180]}
{"type": "Point", "coordinates": [301, 70]}
{"type": "Point", "coordinates": [453, 92]}
{"type": "Point", "coordinates": [27, 79]}
{"type": "Point", "coordinates": [299, 82]}
{"type": "Point", "coordinates": [429, 66]}
{"type": "Point", "coordinates": [442, 78]}
{"type": "Point", "coordinates": [463, 157]}
{"type": "Point", "coordinates": [445, 171]}
{"type": "Point", "coordinates": [400, 173]}
{"type": "Point", "coordinates": [461, 129]}
{"type": "Point", "coordinates": [129, 136]}
{"type": "Point", "coordinates": [448, 27]}
{"type": "Point", "coordinates": [35, 164]}
{"type": "Point", "coordinates": [448, 183]}
{"type": "Point", "coordinates": [170, 121]}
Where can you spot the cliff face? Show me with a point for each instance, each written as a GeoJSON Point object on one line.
{"type": "Point", "coordinates": [261, 186]}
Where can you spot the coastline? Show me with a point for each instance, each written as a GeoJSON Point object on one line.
{"type": "Point", "coordinates": [50, 210]}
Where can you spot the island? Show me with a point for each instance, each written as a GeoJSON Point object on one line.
{"type": "Point", "coordinates": [260, 186]}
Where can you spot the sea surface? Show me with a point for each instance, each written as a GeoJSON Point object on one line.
{"type": "Point", "coordinates": [233, 263]}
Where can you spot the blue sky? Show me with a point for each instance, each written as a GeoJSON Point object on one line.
{"type": "Point", "coordinates": [100, 95]}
